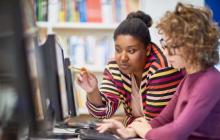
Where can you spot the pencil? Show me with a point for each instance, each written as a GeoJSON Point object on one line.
{"type": "Point", "coordinates": [74, 69]}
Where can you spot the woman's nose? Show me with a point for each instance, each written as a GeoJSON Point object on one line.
{"type": "Point", "coordinates": [124, 56]}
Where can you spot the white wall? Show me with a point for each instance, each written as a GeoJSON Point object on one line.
{"type": "Point", "coordinates": [157, 8]}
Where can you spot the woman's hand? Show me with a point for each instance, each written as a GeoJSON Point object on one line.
{"type": "Point", "coordinates": [141, 126]}
{"type": "Point", "coordinates": [126, 133]}
{"type": "Point", "coordinates": [87, 81]}
{"type": "Point", "coordinates": [117, 128]}
{"type": "Point", "coordinates": [109, 125]}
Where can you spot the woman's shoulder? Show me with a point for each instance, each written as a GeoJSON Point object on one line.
{"type": "Point", "coordinates": [165, 72]}
{"type": "Point", "coordinates": [204, 85]}
{"type": "Point", "coordinates": [112, 64]}
{"type": "Point", "coordinates": [210, 76]}
{"type": "Point", "coordinates": [112, 68]}
{"type": "Point", "coordinates": [157, 57]}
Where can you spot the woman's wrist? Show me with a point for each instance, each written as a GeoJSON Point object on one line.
{"type": "Point", "coordinates": [94, 92]}
{"type": "Point", "coordinates": [94, 97]}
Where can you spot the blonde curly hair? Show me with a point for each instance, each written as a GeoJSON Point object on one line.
{"type": "Point", "coordinates": [194, 30]}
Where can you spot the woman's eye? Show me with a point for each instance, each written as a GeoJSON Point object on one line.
{"type": "Point", "coordinates": [117, 50]}
{"type": "Point", "coordinates": [131, 51]}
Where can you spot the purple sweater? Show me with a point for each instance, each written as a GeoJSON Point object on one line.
{"type": "Point", "coordinates": [194, 111]}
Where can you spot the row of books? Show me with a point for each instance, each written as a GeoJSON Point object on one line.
{"type": "Point", "coordinates": [101, 11]}
{"type": "Point", "coordinates": [93, 51]}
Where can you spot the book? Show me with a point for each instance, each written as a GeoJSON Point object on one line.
{"type": "Point", "coordinates": [53, 11]}
{"type": "Point", "coordinates": [93, 11]}
{"type": "Point", "coordinates": [81, 4]}
{"type": "Point", "coordinates": [42, 10]}
{"type": "Point", "coordinates": [107, 13]}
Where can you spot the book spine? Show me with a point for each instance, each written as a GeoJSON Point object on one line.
{"type": "Point", "coordinates": [93, 11]}
{"type": "Point", "coordinates": [82, 10]}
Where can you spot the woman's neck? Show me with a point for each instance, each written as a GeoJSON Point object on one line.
{"type": "Point", "coordinates": [138, 78]}
{"type": "Point", "coordinates": [193, 69]}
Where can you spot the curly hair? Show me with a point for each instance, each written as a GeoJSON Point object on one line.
{"type": "Point", "coordinates": [194, 30]}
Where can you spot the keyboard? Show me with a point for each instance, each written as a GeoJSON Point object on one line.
{"type": "Point", "coordinates": [76, 125]}
{"type": "Point", "coordinates": [93, 134]}
{"type": "Point", "coordinates": [51, 135]}
{"type": "Point", "coordinates": [79, 125]}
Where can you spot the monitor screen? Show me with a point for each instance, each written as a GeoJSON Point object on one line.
{"type": "Point", "coordinates": [62, 82]}
{"type": "Point", "coordinates": [70, 87]}
{"type": "Point", "coordinates": [53, 80]}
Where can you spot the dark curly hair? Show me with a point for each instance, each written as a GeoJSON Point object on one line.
{"type": "Point", "coordinates": [136, 24]}
{"type": "Point", "coordinates": [194, 30]}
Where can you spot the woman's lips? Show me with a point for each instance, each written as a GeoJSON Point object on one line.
{"type": "Point", "coordinates": [124, 66]}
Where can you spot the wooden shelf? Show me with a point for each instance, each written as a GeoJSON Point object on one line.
{"type": "Point", "coordinates": [43, 24]}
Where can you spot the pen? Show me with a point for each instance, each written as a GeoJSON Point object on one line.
{"type": "Point", "coordinates": [76, 69]}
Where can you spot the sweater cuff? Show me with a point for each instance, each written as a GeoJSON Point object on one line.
{"type": "Point", "coordinates": [153, 123]}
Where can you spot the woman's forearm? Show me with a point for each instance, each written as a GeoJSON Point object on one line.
{"type": "Point", "coordinates": [95, 98]}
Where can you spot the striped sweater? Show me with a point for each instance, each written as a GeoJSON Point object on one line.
{"type": "Point", "coordinates": [159, 82]}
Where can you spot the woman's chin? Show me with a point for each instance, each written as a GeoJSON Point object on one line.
{"type": "Point", "coordinates": [126, 71]}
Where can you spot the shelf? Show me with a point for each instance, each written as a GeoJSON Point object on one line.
{"type": "Point", "coordinates": [43, 24]}
{"type": "Point", "coordinates": [78, 26]}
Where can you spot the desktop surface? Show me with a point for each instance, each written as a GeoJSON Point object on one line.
{"type": "Point", "coordinates": [73, 133]}
{"type": "Point", "coordinates": [93, 134]}
{"type": "Point", "coordinates": [55, 136]}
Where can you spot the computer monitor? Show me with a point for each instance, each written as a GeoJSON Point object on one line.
{"type": "Point", "coordinates": [18, 77]}
{"type": "Point", "coordinates": [69, 86]}
{"type": "Point", "coordinates": [61, 79]}
{"type": "Point", "coordinates": [54, 78]}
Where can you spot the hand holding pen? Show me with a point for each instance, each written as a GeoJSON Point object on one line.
{"type": "Point", "coordinates": [85, 79]}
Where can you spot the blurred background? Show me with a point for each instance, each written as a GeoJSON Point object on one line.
{"type": "Point", "coordinates": [41, 39]}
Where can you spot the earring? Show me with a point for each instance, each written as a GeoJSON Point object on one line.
{"type": "Point", "coordinates": [148, 51]}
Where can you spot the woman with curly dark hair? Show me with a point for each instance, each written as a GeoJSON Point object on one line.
{"type": "Point", "coordinates": [190, 41]}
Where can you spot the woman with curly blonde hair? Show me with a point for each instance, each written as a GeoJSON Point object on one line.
{"type": "Point", "coordinates": [190, 41]}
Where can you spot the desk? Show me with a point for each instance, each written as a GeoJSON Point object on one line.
{"type": "Point", "coordinates": [63, 131]}
{"type": "Point", "coordinates": [86, 117]}
{"type": "Point", "coordinates": [73, 120]}
{"type": "Point", "coordinates": [80, 119]}
{"type": "Point", "coordinates": [52, 139]}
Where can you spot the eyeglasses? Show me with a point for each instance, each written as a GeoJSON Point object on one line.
{"type": "Point", "coordinates": [170, 50]}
